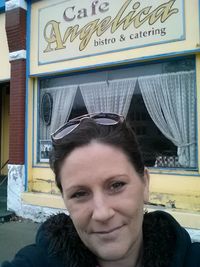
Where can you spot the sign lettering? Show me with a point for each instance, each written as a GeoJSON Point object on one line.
{"type": "Point", "coordinates": [106, 26]}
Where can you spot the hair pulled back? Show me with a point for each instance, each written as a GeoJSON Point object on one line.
{"type": "Point", "coordinates": [120, 136]}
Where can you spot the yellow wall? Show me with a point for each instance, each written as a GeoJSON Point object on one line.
{"type": "Point", "coordinates": [4, 53]}
{"type": "Point", "coordinates": [4, 131]}
{"type": "Point", "coordinates": [178, 190]}
{"type": "Point", "coordinates": [198, 105]}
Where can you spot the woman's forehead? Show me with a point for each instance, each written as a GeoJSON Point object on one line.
{"type": "Point", "coordinates": [95, 152]}
{"type": "Point", "coordinates": [95, 162]}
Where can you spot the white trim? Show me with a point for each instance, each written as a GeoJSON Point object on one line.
{"type": "Point", "coordinates": [39, 213]}
{"type": "Point", "coordinates": [12, 4]}
{"type": "Point", "coordinates": [21, 54]}
{"type": "Point", "coordinates": [15, 187]}
{"type": "Point", "coordinates": [194, 234]}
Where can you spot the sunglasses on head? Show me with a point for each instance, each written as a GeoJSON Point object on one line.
{"type": "Point", "coordinates": [106, 119]}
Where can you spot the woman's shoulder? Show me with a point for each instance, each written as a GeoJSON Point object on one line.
{"type": "Point", "coordinates": [53, 230]}
{"type": "Point", "coordinates": [169, 241]}
{"type": "Point", "coordinates": [193, 255]}
{"type": "Point", "coordinates": [38, 254]}
{"type": "Point", "coordinates": [60, 239]}
{"type": "Point", "coordinates": [28, 256]}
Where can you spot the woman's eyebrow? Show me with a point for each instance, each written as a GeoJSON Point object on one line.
{"type": "Point", "coordinates": [74, 188]}
{"type": "Point", "coordinates": [117, 176]}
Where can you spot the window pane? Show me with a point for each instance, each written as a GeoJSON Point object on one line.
{"type": "Point", "coordinates": [158, 99]}
{"type": "Point", "coordinates": [153, 143]}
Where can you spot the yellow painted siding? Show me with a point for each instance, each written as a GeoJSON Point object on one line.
{"type": "Point", "coordinates": [43, 181]}
{"type": "Point", "coordinates": [30, 150]}
{"type": "Point", "coordinates": [45, 200]}
{"type": "Point", "coordinates": [175, 190]}
{"type": "Point", "coordinates": [198, 105]}
{"type": "Point", "coordinates": [4, 53]}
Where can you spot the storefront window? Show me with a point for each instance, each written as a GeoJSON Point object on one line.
{"type": "Point", "coordinates": [158, 99]}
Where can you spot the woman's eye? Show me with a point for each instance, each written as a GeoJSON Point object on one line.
{"type": "Point", "coordinates": [116, 186]}
{"type": "Point", "coordinates": [79, 194]}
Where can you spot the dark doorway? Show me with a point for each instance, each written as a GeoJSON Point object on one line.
{"type": "Point", "coordinates": [4, 146]}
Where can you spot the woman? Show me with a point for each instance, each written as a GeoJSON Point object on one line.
{"type": "Point", "coordinates": [100, 172]}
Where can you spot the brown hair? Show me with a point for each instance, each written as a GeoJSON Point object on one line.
{"type": "Point", "coordinates": [120, 135]}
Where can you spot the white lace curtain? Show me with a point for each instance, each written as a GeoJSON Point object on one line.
{"type": "Point", "coordinates": [170, 101]}
{"type": "Point", "coordinates": [63, 99]}
{"type": "Point", "coordinates": [113, 96]}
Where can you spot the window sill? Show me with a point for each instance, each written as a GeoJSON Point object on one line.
{"type": "Point", "coordinates": [178, 171]}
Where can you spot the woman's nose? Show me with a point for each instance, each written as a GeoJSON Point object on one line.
{"type": "Point", "coordinates": [102, 210]}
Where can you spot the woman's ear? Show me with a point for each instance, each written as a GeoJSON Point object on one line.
{"type": "Point", "coordinates": [146, 185]}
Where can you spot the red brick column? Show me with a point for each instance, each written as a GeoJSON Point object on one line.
{"type": "Point", "coordinates": [17, 112]}
{"type": "Point", "coordinates": [16, 36]}
{"type": "Point", "coordinates": [16, 29]}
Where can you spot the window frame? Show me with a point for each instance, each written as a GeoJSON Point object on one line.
{"type": "Point", "coordinates": [164, 170]}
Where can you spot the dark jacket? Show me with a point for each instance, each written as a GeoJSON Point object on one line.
{"type": "Point", "coordinates": [166, 244]}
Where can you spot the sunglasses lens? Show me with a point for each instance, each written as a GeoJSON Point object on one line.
{"type": "Point", "coordinates": [63, 132]}
{"type": "Point", "coordinates": [105, 121]}
{"type": "Point", "coordinates": [107, 118]}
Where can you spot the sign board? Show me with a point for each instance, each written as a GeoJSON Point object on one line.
{"type": "Point", "coordinates": [73, 29]}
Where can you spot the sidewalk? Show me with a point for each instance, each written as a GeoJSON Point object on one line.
{"type": "Point", "coordinates": [15, 232]}
{"type": "Point", "coordinates": [15, 235]}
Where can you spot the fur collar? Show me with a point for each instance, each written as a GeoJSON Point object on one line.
{"type": "Point", "coordinates": [160, 230]}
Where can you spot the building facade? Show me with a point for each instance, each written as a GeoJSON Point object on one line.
{"type": "Point", "coordinates": [137, 58]}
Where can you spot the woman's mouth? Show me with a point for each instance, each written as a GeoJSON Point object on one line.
{"type": "Point", "coordinates": [108, 231]}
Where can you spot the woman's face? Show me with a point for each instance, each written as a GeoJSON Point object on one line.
{"type": "Point", "coordinates": [104, 196]}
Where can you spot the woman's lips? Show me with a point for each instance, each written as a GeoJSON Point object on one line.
{"type": "Point", "coordinates": [103, 232]}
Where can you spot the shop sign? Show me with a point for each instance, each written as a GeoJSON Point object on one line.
{"type": "Point", "coordinates": [73, 29]}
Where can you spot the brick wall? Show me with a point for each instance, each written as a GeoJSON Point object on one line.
{"type": "Point", "coordinates": [16, 36]}
{"type": "Point", "coordinates": [17, 112]}
{"type": "Point", "coordinates": [16, 29]}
